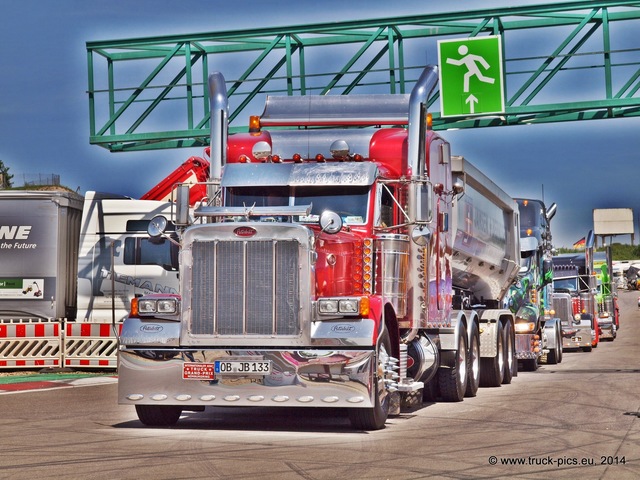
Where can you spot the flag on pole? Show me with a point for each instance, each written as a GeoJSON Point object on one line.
{"type": "Point", "coordinates": [580, 244]}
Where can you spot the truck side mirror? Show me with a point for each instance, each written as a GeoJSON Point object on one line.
{"type": "Point", "coordinates": [424, 202]}
{"type": "Point", "coordinates": [547, 271]}
{"type": "Point", "coordinates": [182, 204]}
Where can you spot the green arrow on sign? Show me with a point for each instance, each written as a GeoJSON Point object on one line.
{"type": "Point", "coordinates": [471, 80]}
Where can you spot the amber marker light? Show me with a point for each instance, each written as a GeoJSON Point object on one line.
{"type": "Point", "coordinates": [364, 306]}
{"type": "Point", "coordinates": [134, 307]}
{"type": "Point", "coordinates": [254, 124]}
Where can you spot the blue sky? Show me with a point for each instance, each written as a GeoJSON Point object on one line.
{"type": "Point", "coordinates": [44, 119]}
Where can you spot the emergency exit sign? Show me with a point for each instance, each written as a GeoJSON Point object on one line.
{"type": "Point", "coordinates": [471, 76]}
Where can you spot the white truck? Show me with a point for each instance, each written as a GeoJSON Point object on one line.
{"type": "Point", "coordinates": [63, 255]}
{"type": "Point", "coordinates": [361, 268]}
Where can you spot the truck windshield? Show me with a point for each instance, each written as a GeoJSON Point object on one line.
{"type": "Point", "coordinates": [570, 284]}
{"type": "Point", "coordinates": [350, 202]}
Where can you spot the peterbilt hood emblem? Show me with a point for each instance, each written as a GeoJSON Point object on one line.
{"type": "Point", "coordinates": [343, 328]}
{"type": "Point", "coordinates": [151, 328]}
{"type": "Point", "coordinates": [245, 232]}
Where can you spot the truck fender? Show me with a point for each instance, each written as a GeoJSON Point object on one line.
{"type": "Point", "coordinates": [551, 326]}
{"type": "Point", "coordinates": [489, 320]}
{"type": "Point", "coordinates": [448, 338]}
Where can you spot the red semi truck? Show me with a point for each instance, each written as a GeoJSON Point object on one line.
{"type": "Point", "coordinates": [362, 268]}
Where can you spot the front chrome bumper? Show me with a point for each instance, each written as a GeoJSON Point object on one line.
{"type": "Point", "coordinates": [298, 378]}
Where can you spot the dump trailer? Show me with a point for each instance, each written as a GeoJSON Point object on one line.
{"type": "Point", "coordinates": [538, 330]}
{"type": "Point", "coordinates": [361, 268]}
{"type": "Point", "coordinates": [39, 233]}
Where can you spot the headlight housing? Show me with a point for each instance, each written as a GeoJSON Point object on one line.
{"type": "Point", "coordinates": [155, 306]}
{"type": "Point", "coordinates": [341, 306]}
{"type": "Point", "coordinates": [525, 327]}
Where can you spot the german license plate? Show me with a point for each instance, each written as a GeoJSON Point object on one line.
{"type": "Point", "coordinates": [242, 367]}
{"type": "Point", "coordinates": [576, 339]}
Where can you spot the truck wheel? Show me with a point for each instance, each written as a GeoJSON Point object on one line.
{"type": "Point", "coordinates": [555, 356]}
{"type": "Point", "coordinates": [453, 381]}
{"type": "Point", "coordinates": [491, 369]}
{"type": "Point", "coordinates": [560, 345]}
{"type": "Point", "coordinates": [473, 375]}
{"type": "Point", "coordinates": [586, 349]}
{"type": "Point", "coordinates": [530, 364]}
{"type": "Point", "coordinates": [510, 362]}
{"type": "Point", "coordinates": [375, 418]}
{"type": "Point", "coordinates": [158, 415]}
{"type": "Point", "coordinates": [430, 391]}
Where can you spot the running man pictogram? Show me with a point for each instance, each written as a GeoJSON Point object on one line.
{"type": "Point", "coordinates": [471, 61]}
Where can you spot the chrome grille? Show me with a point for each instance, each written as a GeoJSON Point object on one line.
{"type": "Point", "coordinates": [245, 288]}
{"type": "Point", "coordinates": [562, 306]}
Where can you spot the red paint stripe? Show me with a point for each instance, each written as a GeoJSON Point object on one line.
{"type": "Point", "coordinates": [39, 330]}
{"type": "Point", "coordinates": [85, 330]}
{"type": "Point", "coordinates": [21, 330]}
{"type": "Point", "coordinates": [13, 387]}
{"type": "Point", "coordinates": [105, 330]}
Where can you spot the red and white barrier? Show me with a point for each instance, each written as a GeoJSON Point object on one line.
{"type": "Point", "coordinates": [30, 344]}
{"type": "Point", "coordinates": [40, 344]}
{"type": "Point", "coordinates": [91, 345]}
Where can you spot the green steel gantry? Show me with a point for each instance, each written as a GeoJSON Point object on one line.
{"type": "Point", "coordinates": [582, 62]}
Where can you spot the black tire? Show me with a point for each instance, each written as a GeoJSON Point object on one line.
{"type": "Point", "coordinates": [473, 359]}
{"type": "Point", "coordinates": [159, 415]}
{"type": "Point", "coordinates": [510, 361]}
{"type": "Point", "coordinates": [560, 348]}
{"type": "Point", "coordinates": [530, 364]}
{"type": "Point", "coordinates": [492, 369]}
{"type": "Point", "coordinates": [586, 349]}
{"type": "Point", "coordinates": [453, 381]}
{"type": "Point", "coordinates": [374, 418]}
{"type": "Point", "coordinates": [430, 390]}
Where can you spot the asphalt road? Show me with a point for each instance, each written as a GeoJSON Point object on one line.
{"type": "Point", "coordinates": [578, 419]}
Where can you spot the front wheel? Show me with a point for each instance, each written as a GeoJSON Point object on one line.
{"type": "Point", "coordinates": [530, 364]}
{"type": "Point", "coordinates": [555, 356]}
{"type": "Point", "coordinates": [374, 418]}
{"type": "Point", "coordinates": [159, 415]}
{"type": "Point", "coordinates": [473, 375]}
{"type": "Point", "coordinates": [510, 362]}
{"type": "Point", "coordinates": [453, 381]}
{"type": "Point", "coordinates": [492, 369]}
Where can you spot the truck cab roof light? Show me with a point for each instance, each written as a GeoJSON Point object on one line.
{"type": "Point", "coordinates": [243, 159]}
{"type": "Point", "coordinates": [297, 158]}
{"type": "Point", "coordinates": [358, 158]}
{"type": "Point", "coordinates": [254, 124]}
{"type": "Point", "coordinates": [276, 159]}
{"type": "Point", "coordinates": [320, 158]}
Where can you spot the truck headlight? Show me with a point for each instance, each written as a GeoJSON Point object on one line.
{"type": "Point", "coordinates": [339, 306]}
{"type": "Point", "coordinates": [525, 327]}
{"type": "Point", "coordinates": [163, 306]}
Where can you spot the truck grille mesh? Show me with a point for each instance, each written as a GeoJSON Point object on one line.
{"type": "Point", "coordinates": [245, 288]}
{"type": "Point", "coordinates": [562, 306]}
